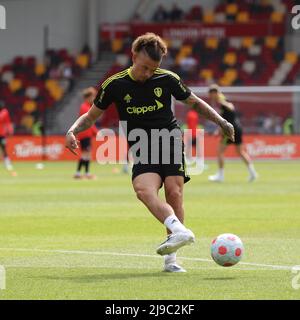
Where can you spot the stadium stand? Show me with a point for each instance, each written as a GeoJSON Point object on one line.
{"type": "Point", "coordinates": [29, 87]}
{"type": "Point", "coordinates": [227, 61]}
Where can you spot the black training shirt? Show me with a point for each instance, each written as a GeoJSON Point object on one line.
{"type": "Point", "coordinates": [230, 115]}
{"type": "Point", "coordinates": [144, 105]}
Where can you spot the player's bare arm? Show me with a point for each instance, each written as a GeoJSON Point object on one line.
{"type": "Point", "coordinates": [82, 123]}
{"type": "Point", "coordinates": [209, 113]}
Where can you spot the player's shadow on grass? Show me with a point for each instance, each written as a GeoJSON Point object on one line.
{"type": "Point", "coordinates": [219, 278]}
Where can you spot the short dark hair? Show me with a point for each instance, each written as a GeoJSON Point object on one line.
{"type": "Point", "coordinates": [152, 44]}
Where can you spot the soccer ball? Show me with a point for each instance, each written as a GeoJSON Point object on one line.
{"type": "Point", "coordinates": [227, 249]}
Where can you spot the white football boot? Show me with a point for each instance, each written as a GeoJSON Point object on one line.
{"type": "Point", "coordinates": [252, 177]}
{"type": "Point", "coordinates": [173, 267]}
{"type": "Point", "coordinates": [77, 176]}
{"type": "Point", "coordinates": [176, 241]}
{"type": "Point", "coordinates": [8, 164]}
{"type": "Point", "coordinates": [216, 178]}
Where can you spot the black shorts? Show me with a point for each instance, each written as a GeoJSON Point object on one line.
{"type": "Point", "coordinates": [175, 167]}
{"type": "Point", "coordinates": [2, 142]}
{"type": "Point", "coordinates": [85, 144]}
{"type": "Point", "coordinates": [238, 137]}
{"type": "Point", "coordinates": [163, 170]}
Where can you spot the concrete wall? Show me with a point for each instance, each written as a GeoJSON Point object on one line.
{"type": "Point", "coordinates": [25, 21]}
{"type": "Point", "coordinates": [120, 11]}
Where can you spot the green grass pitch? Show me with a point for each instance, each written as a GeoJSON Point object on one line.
{"type": "Point", "coordinates": [67, 239]}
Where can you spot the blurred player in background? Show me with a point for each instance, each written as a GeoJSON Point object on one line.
{"type": "Point", "coordinates": [192, 123]}
{"type": "Point", "coordinates": [85, 137]}
{"type": "Point", "coordinates": [228, 112]}
{"type": "Point", "coordinates": [6, 129]}
{"type": "Point", "coordinates": [142, 94]}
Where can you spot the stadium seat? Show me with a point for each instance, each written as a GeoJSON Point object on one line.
{"type": "Point", "coordinates": [276, 17]}
{"type": "Point", "coordinates": [211, 43]}
{"type": "Point", "coordinates": [29, 106]}
{"type": "Point", "coordinates": [186, 50]}
{"type": "Point", "coordinates": [54, 89]}
{"type": "Point", "coordinates": [231, 74]}
{"type": "Point", "coordinates": [206, 74]}
{"type": "Point", "coordinates": [31, 92]}
{"type": "Point", "coordinates": [291, 57]}
{"type": "Point", "coordinates": [231, 9]}
{"type": "Point", "coordinates": [195, 14]}
{"type": "Point", "coordinates": [82, 60]}
{"type": "Point", "coordinates": [40, 69]}
{"type": "Point", "coordinates": [247, 42]}
{"type": "Point", "coordinates": [176, 43]}
{"type": "Point", "coordinates": [254, 50]}
{"type": "Point", "coordinates": [50, 84]}
{"type": "Point", "coordinates": [7, 76]}
{"type": "Point", "coordinates": [220, 17]}
{"type": "Point", "coordinates": [235, 42]}
{"type": "Point", "coordinates": [271, 42]}
{"type": "Point", "coordinates": [27, 121]}
{"type": "Point", "coordinates": [208, 17]}
{"type": "Point", "coordinates": [117, 45]}
{"type": "Point", "coordinates": [30, 62]}
{"type": "Point", "coordinates": [122, 60]}
{"type": "Point", "coordinates": [230, 58]}
{"type": "Point", "coordinates": [242, 17]}
{"type": "Point", "coordinates": [248, 66]}
{"type": "Point", "coordinates": [15, 84]}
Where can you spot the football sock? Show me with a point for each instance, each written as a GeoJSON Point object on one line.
{"type": "Point", "coordinates": [87, 166]}
{"type": "Point", "coordinates": [173, 224]}
{"type": "Point", "coordinates": [125, 168]}
{"type": "Point", "coordinates": [170, 258]}
{"type": "Point", "coordinates": [7, 163]}
{"type": "Point", "coordinates": [80, 164]}
{"type": "Point", "coordinates": [221, 173]}
{"type": "Point", "coordinates": [251, 169]}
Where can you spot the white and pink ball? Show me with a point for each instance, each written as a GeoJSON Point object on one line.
{"type": "Point", "coordinates": [227, 249]}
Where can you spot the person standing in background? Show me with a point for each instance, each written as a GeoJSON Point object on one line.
{"type": "Point", "coordinates": [192, 123]}
{"type": "Point", "coordinates": [228, 112]}
{"type": "Point", "coordinates": [86, 136]}
{"type": "Point", "coordinates": [6, 129]}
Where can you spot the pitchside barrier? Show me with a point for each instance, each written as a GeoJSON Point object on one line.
{"type": "Point", "coordinates": [256, 106]}
{"type": "Point", "coordinates": [27, 148]}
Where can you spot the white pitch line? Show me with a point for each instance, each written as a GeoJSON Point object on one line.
{"type": "Point", "coordinates": [137, 255]}
{"type": "Point", "coordinates": [247, 263]}
{"type": "Point", "coordinates": [115, 267]}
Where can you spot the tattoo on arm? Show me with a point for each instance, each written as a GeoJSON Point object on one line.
{"type": "Point", "coordinates": [204, 109]}
{"type": "Point", "coordinates": [81, 124]}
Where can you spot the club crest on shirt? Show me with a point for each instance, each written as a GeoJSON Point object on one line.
{"type": "Point", "coordinates": [127, 98]}
{"type": "Point", "coordinates": [158, 91]}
